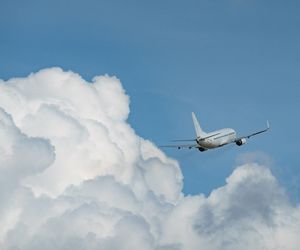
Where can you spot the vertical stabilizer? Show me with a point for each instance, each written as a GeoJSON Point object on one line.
{"type": "Point", "coordinates": [199, 132]}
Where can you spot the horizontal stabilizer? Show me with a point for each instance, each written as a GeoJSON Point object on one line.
{"type": "Point", "coordinates": [185, 140]}
{"type": "Point", "coordinates": [180, 146]}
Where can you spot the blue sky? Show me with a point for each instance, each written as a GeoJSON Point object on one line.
{"type": "Point", "coordinates": [233, 62]}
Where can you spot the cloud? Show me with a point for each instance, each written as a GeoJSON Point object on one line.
{"type": "Point", "coordinates": [74, 175]}
{"type": "Point", "coordinates": [17, 161]}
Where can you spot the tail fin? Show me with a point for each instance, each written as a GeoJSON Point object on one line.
{"type": "Point", "coordinates": [199, 132]}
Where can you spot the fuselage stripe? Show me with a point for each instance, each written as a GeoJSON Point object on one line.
{"type": "Point", "coordinates": [232, 133]}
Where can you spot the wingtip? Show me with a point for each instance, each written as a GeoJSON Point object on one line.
{"type": "Point", "coordinates": [268, 124]}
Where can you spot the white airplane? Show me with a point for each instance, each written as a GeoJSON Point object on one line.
{"type": "Point", "coordinates": [215, 139]}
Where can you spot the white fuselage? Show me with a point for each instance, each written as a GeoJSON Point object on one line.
{"type": "Point", "coordinates": [217, 138]}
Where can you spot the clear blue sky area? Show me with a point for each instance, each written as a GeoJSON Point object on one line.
{"type": "Point", "coordinates": [235, 63]}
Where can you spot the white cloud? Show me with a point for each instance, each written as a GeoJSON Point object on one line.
{"type": "Point", "coordinates": [74, 175]}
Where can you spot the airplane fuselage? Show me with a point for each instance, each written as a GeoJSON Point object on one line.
{"type": "Point", "coordinates": [217, 138]}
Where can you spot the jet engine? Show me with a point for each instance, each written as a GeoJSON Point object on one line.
{"type": "Point", "coordinates": [240, 142]}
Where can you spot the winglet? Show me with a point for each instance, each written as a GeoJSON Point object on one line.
{"type": "Point", "coordinates": [268, 124]}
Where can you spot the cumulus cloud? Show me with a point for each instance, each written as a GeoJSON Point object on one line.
{"type": "Point", "coordinates": [74, 175]}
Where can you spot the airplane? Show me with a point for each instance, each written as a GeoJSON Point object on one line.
{"type": "Point", "coordinates": [215, 139]}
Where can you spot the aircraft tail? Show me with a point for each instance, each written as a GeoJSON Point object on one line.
{"type": "Point", "coordinates": [199, 132]}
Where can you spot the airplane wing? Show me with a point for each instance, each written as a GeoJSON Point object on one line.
{"type": "Point", "coordinates": [181, 146]}
{"type": "Point", "coordinates": [255, 133]}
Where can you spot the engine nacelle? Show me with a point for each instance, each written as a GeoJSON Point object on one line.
{"type": "Point", "coordinates": [202, 149]}
{"type": "Point", "coordinates": [240, 142]}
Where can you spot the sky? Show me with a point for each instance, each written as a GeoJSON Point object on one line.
{"type": "Point", "coordinates": [233, 62]}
